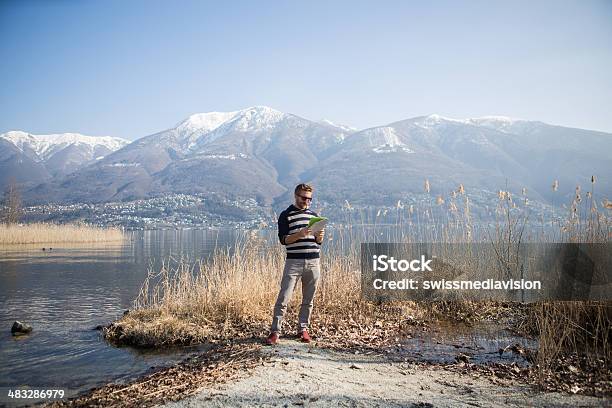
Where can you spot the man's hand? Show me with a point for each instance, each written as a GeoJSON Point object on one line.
{"type": "Point", "coordinates": [304, 232]}
{"type": "Point", "coordinates": [300, 234]}
{"type": "Point", "coordinates": [319, 236]}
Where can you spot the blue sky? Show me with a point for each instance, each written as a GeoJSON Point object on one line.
{"type": "Point", "coordinates": [132, 68]}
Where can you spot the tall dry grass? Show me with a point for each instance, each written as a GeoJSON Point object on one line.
{"type": "Point", "coordinates": [44, 233]}
{"type": "Point", "coordinates": [575, 327]}
{"type": "Point", "coordinates": [563, 328]}
{"type": "Point", "coordinates": [570, 328]}
{"type": "Point", "coordinates": [233, 294]}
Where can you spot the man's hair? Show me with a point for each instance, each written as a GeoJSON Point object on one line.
{"type": "Point", "coordinates": [303, 187]}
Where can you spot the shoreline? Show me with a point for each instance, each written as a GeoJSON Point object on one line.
{"type": "Point", "coordinates": [217, 365]}
{"type": "Point", "coordinates": [301, 374]}
{"type": "Point", "coordinates": [247, 373]}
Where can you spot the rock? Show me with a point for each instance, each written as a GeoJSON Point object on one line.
{"type": "Point", "coordinates": [356, 367]}
{"type": "Point", "coordinates": [462, 358]}
{"type": "Point", "coordinates": [421, 405]}
{"type": "Point", "coordinates": [99, 327]}
{"type": "Point", "coordinates": [20, 328]}
{"type": "Point", "coordinates": [126, 312]}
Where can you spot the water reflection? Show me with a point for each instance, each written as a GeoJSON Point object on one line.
{"type": "Point", "coordinates": [481, 342]}
{"type": "Point", "coordinates": [64, 293]}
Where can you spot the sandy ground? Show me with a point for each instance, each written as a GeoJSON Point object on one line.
{"type": "Point", "coordinates": [305, 375]}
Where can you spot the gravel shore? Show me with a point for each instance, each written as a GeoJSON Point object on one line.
{"type": "Point", "coordinates": [300, 374]}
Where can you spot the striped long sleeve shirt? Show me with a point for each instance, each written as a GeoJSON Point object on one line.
{"type": "Point", "coordinates": [290, 221]}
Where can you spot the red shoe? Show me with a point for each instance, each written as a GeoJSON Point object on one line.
{"type": "Point", "coordinates": [272, 339]}
{"type": "Point", "coordinates": [305, 337]}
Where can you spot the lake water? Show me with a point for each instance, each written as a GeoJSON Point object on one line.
{"type": "Point", "coordinates": [64, 293]}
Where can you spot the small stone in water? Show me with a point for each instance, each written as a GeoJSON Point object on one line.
{"type": "Point", "coordinates": [20, 328]}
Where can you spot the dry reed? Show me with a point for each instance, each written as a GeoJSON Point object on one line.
{"type": "Point", "coordinates": [229, 296]}
{"type": "Point", "coordinates": [233, 294]}
{"type": "Point", "coordinates": [43, 233]}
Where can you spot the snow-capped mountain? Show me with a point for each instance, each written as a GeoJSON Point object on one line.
{"type": "Point", "coordinates": [203, 128]}
{"type": "Point", "coordinates": [262, 153]}
{"type": "Point", "coordinates": [256, 151]}
{"type": "Point", "coordinates": [489, 153]}
{"type": "Point", "coordinates": [46, 146]}
{"type": "Point", "coordinates": [33, 158]}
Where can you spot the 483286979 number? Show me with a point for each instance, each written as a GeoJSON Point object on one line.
{"type": "Point", "coordinates": [35, 394]}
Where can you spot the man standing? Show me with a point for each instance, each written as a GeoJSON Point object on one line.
{"type": "Point", "coordinates": [302, 261]}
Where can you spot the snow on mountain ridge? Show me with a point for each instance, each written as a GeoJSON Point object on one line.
{"type": "Point", "coordinates": [500, 123]}
{"type": "Point", "coordinates": [245, 119]}
{"type": "Point", "coordinates": [434, 118]}
{"type": "Point", "coordinates": [46, 145]}
{"type": "Point", "coordinates": [204, 122]}
{"type": "Point", "coordinates": [385, 140]}
{"type": "Point", "coordinates": [339, 126]}
{"type": "Point", "coordinates": [202, 128]}
{"type": "Point", "coordinates": [256, 118]}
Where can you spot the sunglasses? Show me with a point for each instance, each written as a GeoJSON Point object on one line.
{"type": "Point", "coordinates": [304, 198]}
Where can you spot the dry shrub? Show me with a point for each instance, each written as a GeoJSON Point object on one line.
{"type": "Point", "coordinates": [578, 327]}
